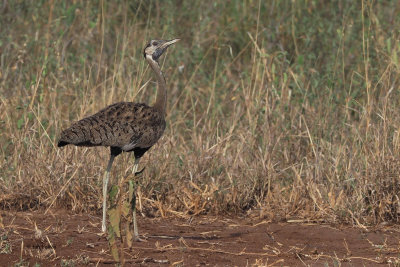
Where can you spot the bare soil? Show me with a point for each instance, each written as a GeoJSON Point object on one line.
{"type": "Point", "coordinates": [60, 238]}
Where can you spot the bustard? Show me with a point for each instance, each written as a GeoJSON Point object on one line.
{"type": "Point", "coordinates": [125, 126]}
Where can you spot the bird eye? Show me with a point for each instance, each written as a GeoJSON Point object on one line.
{"type": "Point", "coordinates": [155, 43]}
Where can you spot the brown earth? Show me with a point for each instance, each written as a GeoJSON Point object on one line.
{"type": "Point", "coordinates": [64, 239]}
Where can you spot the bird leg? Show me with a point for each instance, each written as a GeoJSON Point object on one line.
{"type": "Point", "coordinates": [135, 227]}
{"type": "Point", "coordinates": [106, 177]}
{"type": "Point", "coordinates": [140, 172]}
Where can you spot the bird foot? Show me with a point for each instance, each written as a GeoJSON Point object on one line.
{"type": "Point", "coordinates": [101, 234]}
{"type": "Point", "coordinates": [138, 239]}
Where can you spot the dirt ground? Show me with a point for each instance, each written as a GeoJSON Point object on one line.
{"type": "Point", "coordinates": [64, 239]}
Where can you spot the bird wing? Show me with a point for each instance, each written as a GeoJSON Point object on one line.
{"type": "Point", "coordinates": [124, 124]}
{"type": "Point", "coordinates": [129, 146]}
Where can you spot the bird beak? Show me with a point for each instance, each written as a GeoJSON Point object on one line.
{"type": "Point", "coordinates": [168, 43]}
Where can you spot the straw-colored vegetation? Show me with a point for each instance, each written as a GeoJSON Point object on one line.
{"type": "Point", "coordinates": [289, 109]}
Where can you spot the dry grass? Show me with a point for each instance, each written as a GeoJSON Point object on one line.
{"type": "Point", "coordinates": [288, 109]}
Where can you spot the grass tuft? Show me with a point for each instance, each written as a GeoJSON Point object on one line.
{"type": "Point", "coordinates": [286, 108]}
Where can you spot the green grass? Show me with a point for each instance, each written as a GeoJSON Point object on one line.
{"type": "Point", "coordinates": [288, 108]}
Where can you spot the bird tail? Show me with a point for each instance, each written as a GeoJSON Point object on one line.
{"type": "Point", "coordinates": [77, 135]}
{"type": "Point", "coordinates": [62, 143]}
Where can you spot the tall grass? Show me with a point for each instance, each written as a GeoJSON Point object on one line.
{"type": "Point", "coordinates": [286, 109]}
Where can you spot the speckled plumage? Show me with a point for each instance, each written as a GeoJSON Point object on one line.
{"type": "Point", "coordinates": [123, 125]}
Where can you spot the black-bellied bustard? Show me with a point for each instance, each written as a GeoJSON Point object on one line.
{"type": "Point", "coordinates": [125, 126]}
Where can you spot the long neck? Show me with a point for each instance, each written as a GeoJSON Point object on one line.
{"type": "Point", "coordinates": [161, 100]}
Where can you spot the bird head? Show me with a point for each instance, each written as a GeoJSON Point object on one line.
{"type": "Point", "coordinates": [155, 48]}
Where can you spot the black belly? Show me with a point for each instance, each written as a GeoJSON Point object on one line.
{"type": "Point", "coordinates": [138, 151]}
